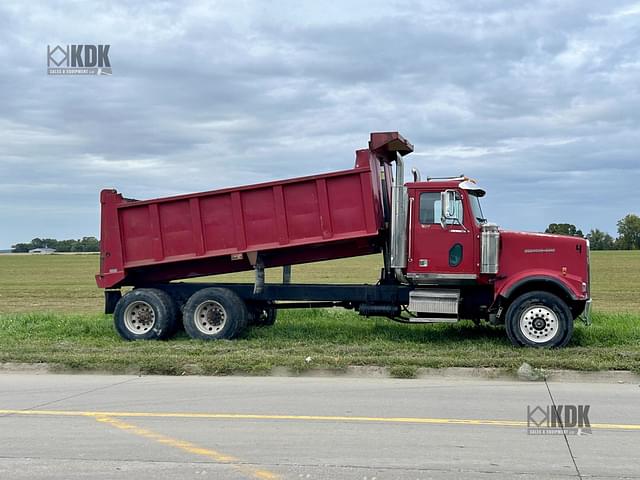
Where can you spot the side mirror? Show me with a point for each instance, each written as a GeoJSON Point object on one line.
{"type": "Point", "coordinates": [447, 203]}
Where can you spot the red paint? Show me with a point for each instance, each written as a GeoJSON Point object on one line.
{"type": "Point", "coordinates": [194, 235]}
{"type": "Point", "coordinates": [525, 255]}
{"type": "Point", "coordinates": [430, 242]}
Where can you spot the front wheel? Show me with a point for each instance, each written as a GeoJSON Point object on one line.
{"type": "Point", "coordinates": [539, 319]}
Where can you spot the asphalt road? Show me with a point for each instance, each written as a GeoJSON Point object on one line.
{"type": "Point", "coordinates": [98, 427]}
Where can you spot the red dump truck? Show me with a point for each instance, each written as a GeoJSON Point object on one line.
{"type": "Point", "coordinates": [441, 260]}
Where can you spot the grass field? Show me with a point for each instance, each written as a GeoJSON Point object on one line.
{"type": "Point", "coordinates": [50, 312]}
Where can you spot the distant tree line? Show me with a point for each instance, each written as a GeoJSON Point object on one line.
{"type": "Point", "coordinates": [85, 244]}
{"type": "Point", "coordinates": [628, 238]}
{"type": "Point", "coordinates": [628, 234]}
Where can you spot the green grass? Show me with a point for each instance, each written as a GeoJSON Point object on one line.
{"type": "Point", "coordinates": [616, 281]}
{"type": "Point", "coordinates": [333, 341]}
{"type": "Point", "coordinates": [50, 313]}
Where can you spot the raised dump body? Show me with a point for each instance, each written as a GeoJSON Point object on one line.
{"type": "Point", "coordinates": [299, 220]}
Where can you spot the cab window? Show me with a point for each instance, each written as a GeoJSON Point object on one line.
{"type": "Point", "coordinates": [430, 209]}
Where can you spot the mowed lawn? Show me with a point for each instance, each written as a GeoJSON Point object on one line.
{"type": "Point", "coordinates": [50, 312]}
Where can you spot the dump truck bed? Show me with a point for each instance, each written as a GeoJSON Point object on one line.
{"type": "Point", "coordinates": [299, 220]}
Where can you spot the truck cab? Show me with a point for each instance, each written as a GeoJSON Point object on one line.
{"type": "Point", "coordinates": [536, 284]}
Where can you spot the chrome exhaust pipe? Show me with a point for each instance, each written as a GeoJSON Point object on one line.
{"type": "Point", "coordinates": [399, 222]}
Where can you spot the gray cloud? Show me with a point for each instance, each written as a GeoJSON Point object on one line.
{"type": "Point", "coordinates": [539, 101]}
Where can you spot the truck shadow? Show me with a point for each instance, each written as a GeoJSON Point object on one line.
{"type": "Point", "coordinates": [441, 333]}
{"type": "Point", "coordinates": [357, 330]}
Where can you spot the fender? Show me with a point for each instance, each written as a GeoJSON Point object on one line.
{"type": "Point", "coordinates": [504, 287]}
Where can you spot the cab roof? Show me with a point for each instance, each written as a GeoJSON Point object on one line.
{"type": "Point", "coordinates": [463, 183]}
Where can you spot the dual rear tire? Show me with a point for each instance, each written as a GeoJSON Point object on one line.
{"type": "Point", "coordinates": [145, 314]}
{"type": "Point", "coordinates": [214, 314]}
{"type": "Point", "coordinates": [209, 314]}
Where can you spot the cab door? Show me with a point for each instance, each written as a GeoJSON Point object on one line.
{"type": "Point", "coordinates": [440, 253]}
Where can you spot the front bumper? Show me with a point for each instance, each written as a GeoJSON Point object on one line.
{"type": "Point", "coordinates": [585, 316]}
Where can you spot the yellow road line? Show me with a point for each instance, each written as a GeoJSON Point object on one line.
{"type": "Point", "coordinates": [330, 418]}
{"type": "Point", "coordinates": [187, 447]}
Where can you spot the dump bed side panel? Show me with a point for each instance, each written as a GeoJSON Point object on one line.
{"type": "Point", "coordinates": [211, 232]}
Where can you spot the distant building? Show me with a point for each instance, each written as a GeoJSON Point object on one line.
{"type": "Point", "coordinates": [42, 251]}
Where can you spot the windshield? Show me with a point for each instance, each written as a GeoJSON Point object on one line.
{"type": "Point", "coordinates": [476, 208]}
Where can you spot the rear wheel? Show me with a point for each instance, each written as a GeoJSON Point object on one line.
{"type": "Point", "coordinates": [263, 315]}
{"type": "Point", "coordinates": [213, 314]}
{"type": "Point", "coordinates": [145, 314]}
{"type": "Point", "coordinates": [539, 319]}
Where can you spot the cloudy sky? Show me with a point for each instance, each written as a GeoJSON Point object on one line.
{"type": "Point", "coordinates": [538, 100]}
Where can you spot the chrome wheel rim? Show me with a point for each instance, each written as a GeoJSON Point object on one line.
{"type": "Point", "coordinates": [210, 317]}
{"type": "Point", "coordinates": [139, 317]}
{"type": "Point", "coordinates": [539, 324]}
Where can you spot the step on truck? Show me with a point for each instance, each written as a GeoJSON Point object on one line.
{"type": "Point", "coordinates": [441, 260]}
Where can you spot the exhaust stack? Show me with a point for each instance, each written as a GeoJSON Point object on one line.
{"type": "Point", "coordinates": [399, 218]}
{"type": "Point", "coordinates": [390, 147]}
